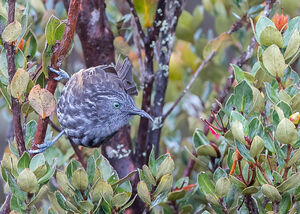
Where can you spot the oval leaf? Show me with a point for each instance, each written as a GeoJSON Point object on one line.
{"type": "Point", "coordinates": [270, 35]}
{"type": "Point", "coordinates": [19, 83]}
{"type": "Point", "coordinates": [273, 61]}
{"type": "Point", "coordinates": [42, 101]}
{"type": "Point", "coordinates": [12, 31]}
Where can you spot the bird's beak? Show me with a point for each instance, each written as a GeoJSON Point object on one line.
{"type": "Point", "coordinates": [142, 113]}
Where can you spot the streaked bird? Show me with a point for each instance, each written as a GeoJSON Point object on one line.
{"type": "Point", "coordinates": [95, 103]}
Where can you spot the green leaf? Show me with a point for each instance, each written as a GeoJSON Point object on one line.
{"type": "Point", "coordinates": [30, 131]}
{"type": "Point", "coordinates": [19, 83]}
{"type": "Point", "coordinates": [235, 115]}
{"type": "Point", "coordinates": [90, 169]}
{"type": "Point", "coordinates": [243, 96]}
{"type": "Point", "coordinates": [205, 185]}
{"type": "Point", "coordinates": [286, 132]}
{"type": "Point", "coordinates": [152, 162]}
{"type": "Point", "coordinates": [219, 173]}
{"type": "Point", "coordinates": [3, 68]}
{"type": "Point", "coordinates": [206, 150]}
{"type": "Point", "coordinates": [61, 201]}
{"type": "Point", "coordinates": [52, 24]}
{"type": "Point", "coordinates": [273, 60]}
{"type": "Point", "coordinates": [86, 205]}
{"type": "Point", "coordinates": [271, 93]}
{"type": "Point", "coordinates": [48, 175]}
{"type": "Point", "coordinates": [295, 102]}
{"type": "Point", "coordinates": [199, 138]}
{"type": "Point", "coordinates": [143, 192]}
{"type": "Point", "coordinates": [286, 109]}
{"type": "Point", "coordinates": [23, 162]}
{"type": "Point", "coordinates": [176, 195]}
{"type": "Point", "coordinates": [271, 192]}
{"type": "Point", "coordinates": [258, 103]}
{"type": "Point", "coordinates": [15, 189]}
{"type": "Point", "coordinates": [80, 179]}
{"type": "Point", "coordinates": [244, 151]}
{"type": "Point", "coordinates": [30, 47]}
{"type": "Point", "coordinates": [166, 167]}
{"type": "Point", "coordinates": [293, 24]}
{"type": "Point", "coordinates": [5, 93]}
{"type": "Point", "coordinates": [261, 24]}
{"type": "Point", "coordinates": [270, 35]}
{"type": "Point", "coordinates": [295, 158]}
{"type": "Point", "coordinates": [12, 31]}
{"type": "Point", "coordinates": [290, 183]}
{"type": "Point", "coordinates": [285, 203]}
{"type": "Point", "coordinates": [238, 73]}
{"type": "Point", "coordinates": [222, 187]}
{"type": "Point", "coordinates": [255, 128]}
{"type": "Point", "coordinates": [293, 45]}
{"type": "Point", "coordinates": [59, 31]}
{"type": "Point", "coordinates": [238, 131]}
{"type": "Point", "coordinates": [17, 204]}
{"type": "Point", "coordinates": [184, 30]}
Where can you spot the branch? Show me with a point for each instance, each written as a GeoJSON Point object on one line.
{"type": "Point", "coordinates": [137, 21]}
{"type": "Point", "coordinates": [162, 75]}
{"type": "Point", "coordinates": [188, 86]}
{"type": "Point", "coordinates": [16, 110]}
{"type": "Point", "coordinates": [148, 77]}
{"type": "Point", "coordinates": [58, 56]}
{"type": "Point", "coordinates": [5, 208]}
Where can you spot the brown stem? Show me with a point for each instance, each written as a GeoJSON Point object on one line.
{"type": "Point", "coordinates": [250, 204]}
{"type": "Point", "coordinates": [59, 54]}
{"type": "Point", "coordinates": [286, 167]}
{"type": "Point", "coordinates": [263, 172]}
{"type": "Point", "coordinates": [15, 106]}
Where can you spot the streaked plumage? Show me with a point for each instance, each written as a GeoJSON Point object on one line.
{"type": "Point", "coordinates": [87, 109]}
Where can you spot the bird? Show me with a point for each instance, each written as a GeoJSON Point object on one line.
{"type": "Point", "coordinates": [95, 103]}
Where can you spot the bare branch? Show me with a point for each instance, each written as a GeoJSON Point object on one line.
{"type": "Point", "coordinates": [136, 20]}
{"type": "Point", "coordinates": [188, 86]}
{"type": "Point", "coordinates": [16, 110]}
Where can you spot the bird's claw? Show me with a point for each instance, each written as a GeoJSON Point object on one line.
{"type": "Point", "coordinates": [42, 147]}
{"type": "Point", "coordinates": [61, 74]}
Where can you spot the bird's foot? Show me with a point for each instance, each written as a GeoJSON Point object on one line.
{"type": "Point", "coordinates": [61, 74]}
{"type": "Point", "coordinates": [43, 147]}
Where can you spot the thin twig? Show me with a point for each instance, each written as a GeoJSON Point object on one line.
{"type": "Point", "coordinates": [16, 110]}
{"type": "Point", "coordinates": [286, 167]}
{"type": "Point", "coordinates": [187, 88]}
{"type": "Point", "coordinates": [137, 21]}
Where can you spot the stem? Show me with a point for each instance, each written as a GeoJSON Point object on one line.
{"type": "Point", "coordinates": [263, 172]}
{"type": "Point", "coordinates": [188, 86]}
{"type": "Point", "coordinates": [286, 168]}
{"type": "Point", "coordinates": [15, 106]}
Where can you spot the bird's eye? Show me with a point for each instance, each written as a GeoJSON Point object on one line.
{"type": "Point", "coordinates": [116, 105]}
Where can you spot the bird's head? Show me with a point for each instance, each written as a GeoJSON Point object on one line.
{"type": "Point", "coordinates": [117, 108]}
